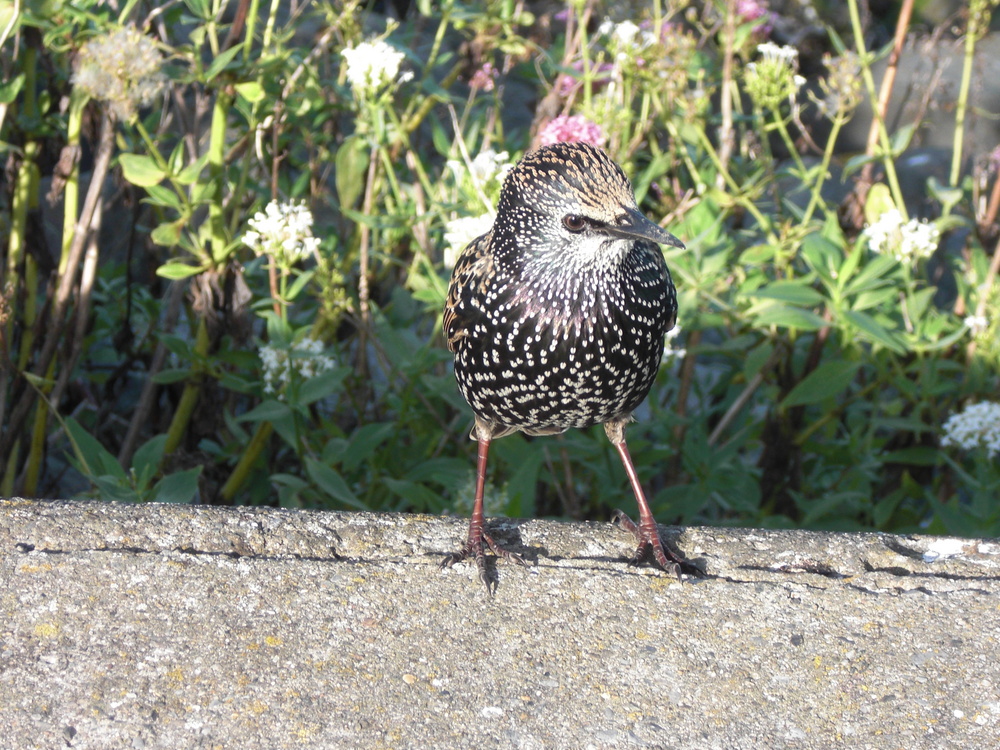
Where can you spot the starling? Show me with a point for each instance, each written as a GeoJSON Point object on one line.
{"type": "Point", "coordinates": [557, 318]}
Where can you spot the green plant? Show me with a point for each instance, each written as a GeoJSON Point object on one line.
{"type": "Point", "coordinates": [300, 183]}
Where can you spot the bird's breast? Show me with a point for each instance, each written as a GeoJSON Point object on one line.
{"type": "Point", "coordinates": [576, 351]}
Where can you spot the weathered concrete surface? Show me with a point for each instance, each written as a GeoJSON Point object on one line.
{"type": "Point", "coordinates": [182, 627]}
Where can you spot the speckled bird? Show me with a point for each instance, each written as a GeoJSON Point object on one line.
{"type": "Point", "coordinates": [557, 318]}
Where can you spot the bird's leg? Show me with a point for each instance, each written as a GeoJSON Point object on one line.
{"type": "Point", "coordinates": [477, 535]}
{"type": "Point", "coordinates": [645, 531]}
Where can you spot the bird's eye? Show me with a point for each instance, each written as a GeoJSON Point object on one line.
{"type": "Point", "coordinates": [574, 223]}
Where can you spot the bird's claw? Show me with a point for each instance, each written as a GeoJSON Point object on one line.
{"type": "Point", "coordinates": [475, 549]}
{"type": "Point", "coordinates": [650, 545]}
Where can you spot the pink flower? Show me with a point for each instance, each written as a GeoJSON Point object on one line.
{"type": "Point", "coordinates": [484, 78]}
{"type": "Point", "coordinates": [751, 10]}
{"type": "Point", "coordinates": [571, 129]}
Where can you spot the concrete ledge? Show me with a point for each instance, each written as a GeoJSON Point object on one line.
{"type": "Point", "coordinates": [182, 627]}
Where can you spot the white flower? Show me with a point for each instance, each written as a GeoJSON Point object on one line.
{"type": "Point", "coordinates": [283, 231]}
{"type": "Point", "coordinates": [305, 358]}
{"type": "Point", "coordinates": [372, 65]}
{"type": "Point", "coordinates": [787, 56]}
{"type": "Point", "coordinates": [625, 33]}
{"type": "Point", "coordinates": [774, 78]}
{"type": "Point", "coordinates": [905, 242]}
{"type": "Point", "coordinates": [460, 232]}
{"type": "Point", "coordinates": [976, 426]}
{"type": "Point", "coordinates": [489, 165]}
{"type": "Point", "coordinates": [976, 324]}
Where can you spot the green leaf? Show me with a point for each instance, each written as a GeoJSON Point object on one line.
{"type": "Point", "coordinates": [879, 201]}
{"type": "Point", "coordinates": [758, 255]}
{"type": "Point", "coordinates": [252, 91]}
{"type": "Point", "coordinates": [141, 170]}
{"type": "Point", "coordinates": [269, 410]}
{"type": "Point", "coordinates": [449, 472]}
{"type": "Point", "coordinates": [351, 164]}
{"type": "Point", "coordinates": [299, 284]}
{"type": "Point", "coordinates": [789, 317]}
{"type": "Point", "coordinates": [190, 174]}
{"type": "Point", "coordinates": [914, 456]}
{"type": "Point", "coordinates": [321, 386]}
{"type": "Point", "coordinates": [872, 275]}
{"type": "Point", "coordinates": [947, 196]}
{"type": "Point", "coordinates": [168, 233]}
{"type": "Point", "coordinates": [10, 89]}
{"type": "Point", "coordinates": [822, 255]}
{"type": "Point", "coordinates": [166, 377]}
{"type": "Point", "coordinates": [176, 269]}
{"type": "Point", "coordinates": [874, 331]}
{"type": "Point", "coordinates": [222, 61]}
{"type": "Point", "coordinates": [900, 140]}
{"type": "Point", "coordinates": [95, 460]}
{"type": "Point", "coordinates": [330, 482]}
{"type": "Point", "coordinates": [179, 487]}
{"type": "Point", "coordinates": [795, 292]}
{"type": "Point", "coordinates": [873, 298]}
{"type": "Point", "coordinates": [159, 195]}
{"type": "Point", "coordinates": [827, 380]}
{"type": "Point", "coordinates": [146, 460]}
{"type": "Point", "coordinates": [415, 495]}
{"type": "Point", "coordinates": [364, 441]}
{"type": "Point", "coordinates": [855, 163]}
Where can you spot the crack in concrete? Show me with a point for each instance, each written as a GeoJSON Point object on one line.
{"type": "Point", "coordinates": [25, 548]}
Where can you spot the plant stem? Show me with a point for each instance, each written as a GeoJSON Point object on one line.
{"type": "Point", "coordinates": [192, 389]}
{"type": "Point", "coordinates": [971, 33]}
{"type": "Point", "coordinates": [883, 135]}
{"type": "Point", "coordinates": [242, 469]}
{"type": "Point", "coordinates": [838, 123]}
{"type": "Point", "coordinates": [217, 165]}
{"type": "Point", "coordinates": [62, 297]}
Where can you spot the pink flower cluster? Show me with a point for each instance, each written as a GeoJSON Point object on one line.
{"type": "Point", "coordinates": [484, 78]}
{"type": "Point", "coordinates": [571, 129]}
{"type": "Point", "coordinates": [752, 10]}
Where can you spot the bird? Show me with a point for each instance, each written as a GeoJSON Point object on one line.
{"type": "Point", "coordinates": [556, 318]}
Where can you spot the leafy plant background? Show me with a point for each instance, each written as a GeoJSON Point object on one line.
{"type": "Point", "coordinates": [808, 386]}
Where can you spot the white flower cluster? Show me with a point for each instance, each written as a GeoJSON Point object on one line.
{"type": "Point", "coordinates": [486, 167]}
{"type": "Point", "coordinates": [489, 165]}
{"type": "Point", "coordinates": [977, 425]}
{"type": "Point", "coordinates": [905, 242]}
{"type": "Point", "coordinates": [976, 324]}
{"type": "Point", "coordinates": [121, 68]}
{"type": "Point", "coordinates": [372, 65]}
{"type": "Point", "coordinates": [305, 357]}
{"type": "Point", "coordinates": [626, 34]}
{"type": "Point", "coordinates": [282, 231]}
{"type": "Point", "coordinates": [460, 232]}
{"type": "Point", "coordinates": [670, 352]}
{"type": "Point", "coordinates": [774, 77]}
{"type": "Point", "coordinates": [786, 55]}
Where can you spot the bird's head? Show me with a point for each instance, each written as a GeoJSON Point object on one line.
{"type": "Point", "coordinates": [570, 203]}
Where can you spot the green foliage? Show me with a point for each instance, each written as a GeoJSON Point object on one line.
{"type": "Point", "coordinates": [307, 211]}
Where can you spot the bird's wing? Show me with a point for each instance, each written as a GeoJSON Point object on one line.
{"type": "Point", "coordinates": [469, 280]}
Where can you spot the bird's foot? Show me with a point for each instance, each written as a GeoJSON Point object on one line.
{"type": "Point", "coordinates": [475, 549]}
{"type": "Point", "coordinates": [649, 542]}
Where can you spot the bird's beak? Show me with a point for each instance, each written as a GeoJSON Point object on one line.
{"type": "Point", "coordinates": [635, 225]}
